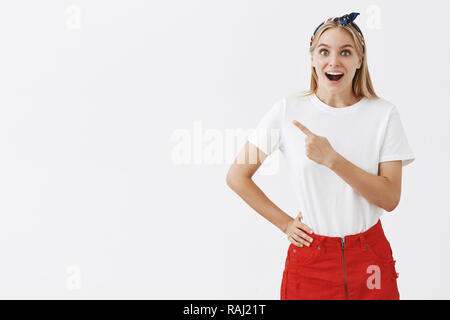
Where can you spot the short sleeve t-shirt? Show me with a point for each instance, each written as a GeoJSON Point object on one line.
{"type": "Point", "coordinates": [365, 133]}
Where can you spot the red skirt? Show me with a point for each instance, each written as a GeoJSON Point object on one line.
{"type": "Point", "coordinates": [359, 266]}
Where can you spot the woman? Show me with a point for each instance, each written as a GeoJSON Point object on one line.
{"type": "Point", "coordinates": [345, 148]}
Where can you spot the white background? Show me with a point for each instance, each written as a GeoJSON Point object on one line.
{"type": "Point", "coordinates": [93, 203]}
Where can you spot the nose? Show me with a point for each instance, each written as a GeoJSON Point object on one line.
{"type": "Point", "coordinates": [334, 60]}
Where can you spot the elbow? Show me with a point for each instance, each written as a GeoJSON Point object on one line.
{"type": "Point", "coordinates": [391, 207]}
{"type": "Point", "coordinates": [234, 181]}
{"type": "Point", "coordinates": [231, 181]}
{"type": "Point", "coordinates": [393, 198]}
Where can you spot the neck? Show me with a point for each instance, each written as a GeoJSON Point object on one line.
{"type": "Point", "coordinates": [338, 99]}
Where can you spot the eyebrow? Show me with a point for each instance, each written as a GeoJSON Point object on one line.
{"type": "Point", "coordinates": [345, 45]}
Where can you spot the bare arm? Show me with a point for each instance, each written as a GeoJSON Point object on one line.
{"type": "Point", "coordinates": [383, 190]}
{"type": "Point", "coordinates": [239, 179]}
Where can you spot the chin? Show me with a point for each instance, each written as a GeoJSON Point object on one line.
{"type": "Point", "coordinates": [335, 87]}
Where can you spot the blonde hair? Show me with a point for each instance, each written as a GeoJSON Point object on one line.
{"type": "Point", "coordinates": [361, 85]}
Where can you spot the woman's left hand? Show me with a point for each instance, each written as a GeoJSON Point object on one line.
{"type": "Point", "coordinates": [317, 148]}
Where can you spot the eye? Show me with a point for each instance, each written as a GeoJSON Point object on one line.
{"type": "Point", "coordinates": [344, 52]}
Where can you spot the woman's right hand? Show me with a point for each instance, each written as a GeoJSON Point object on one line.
{"type": "Point", "coordinates": [295, 234]}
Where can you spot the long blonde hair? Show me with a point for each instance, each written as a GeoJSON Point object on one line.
{"type": "Point", "coordinates": [361, 85]}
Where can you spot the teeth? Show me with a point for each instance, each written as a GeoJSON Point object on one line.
{"type": "Point", "coordinates": [334, 73]}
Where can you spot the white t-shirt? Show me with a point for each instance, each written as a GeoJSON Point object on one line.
{"type": "Point", "coordinates": [365, 133]}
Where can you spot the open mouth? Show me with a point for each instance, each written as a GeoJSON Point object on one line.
{"type": "Point", "coordinates": [334, 76]}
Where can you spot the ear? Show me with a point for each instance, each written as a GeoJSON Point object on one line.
{"type": "Point", "coordinates": [360, 63]}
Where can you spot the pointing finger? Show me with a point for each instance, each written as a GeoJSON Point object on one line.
{"type": "Point", "coordinates": [302, 127]}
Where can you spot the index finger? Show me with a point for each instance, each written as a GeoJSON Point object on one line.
{"type": "Point", "coordinates": [302, 127]}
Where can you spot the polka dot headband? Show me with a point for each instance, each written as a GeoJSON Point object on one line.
{"type": "Point", "coordinates": [344, 20]}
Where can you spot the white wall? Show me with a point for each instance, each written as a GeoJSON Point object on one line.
{"type": "Point", "coordinates": [94, 96]}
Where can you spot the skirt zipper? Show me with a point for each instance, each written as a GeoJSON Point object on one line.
{"type": "Point", "coordinates": [343, 265]}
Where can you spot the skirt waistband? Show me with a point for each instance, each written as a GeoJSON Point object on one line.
{"type": "Point", "coordinates": [371, 235]}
